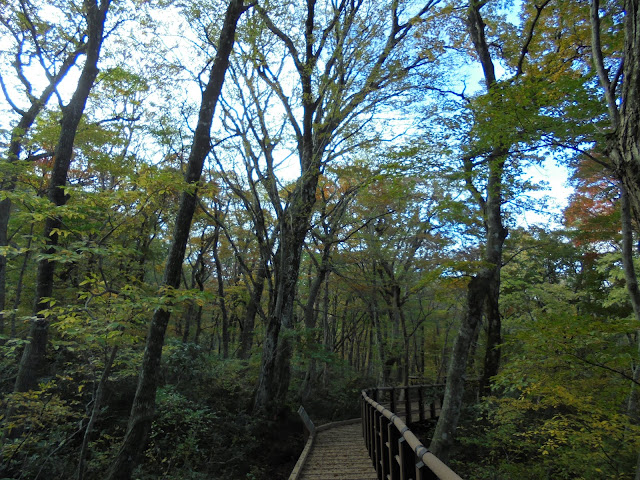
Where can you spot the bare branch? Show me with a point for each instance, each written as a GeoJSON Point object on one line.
{"type": "Point", "coordinates": [616, 78]}
{"type": "Point", "coordinates": [604, 367]}
{"type": "Point", "coordinates": [332, 24]}
{"type": "Point", "coordinates": [467, 161]}
{"type": "Point", "coordinates": [582, 151]}
{"type": "Point", "coordinates": [374, 79]}
{"type": "Point", "coordinates": [282, 36]}
{"type": "Point", "coordinates": [525, 47]}
{"type": "Point", "coordinates": [17, 109]}
{"type": "Point", "coordinates": [598, 60]}
{"type": "Point", "coordinates": [277, 88]}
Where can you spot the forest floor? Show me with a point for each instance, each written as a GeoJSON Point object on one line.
{"type": "Point", "coordinates": [279, 449]}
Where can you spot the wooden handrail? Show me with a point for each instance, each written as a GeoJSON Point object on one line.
{"type": "Point", "coordinates": [395, 451]}
{"type": "Point", "coordinates": [410, 387]}
{"type": "Point", "coordinates": [377, 393]}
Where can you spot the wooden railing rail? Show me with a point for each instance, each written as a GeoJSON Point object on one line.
{"type": "Point", "coordinates": [395, 451]}
{"type": "Point", "coordinates": [407, 397]}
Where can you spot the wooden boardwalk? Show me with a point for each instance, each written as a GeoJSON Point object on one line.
{"type": "Point", "coordinates": [415, 412]}
{"type": "Point", "coordinates": [336, 453]}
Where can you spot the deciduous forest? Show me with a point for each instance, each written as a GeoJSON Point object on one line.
{"type": "Point", "coordinates": [213, 212]}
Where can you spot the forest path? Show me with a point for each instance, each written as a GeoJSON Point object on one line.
{"type": "Point", "coordinates": [337, 453]}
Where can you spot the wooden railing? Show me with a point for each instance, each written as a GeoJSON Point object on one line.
{"type": "Point", "coordinates": [412, 402]}
{"type": "Point", "coordinates": [395, 451]}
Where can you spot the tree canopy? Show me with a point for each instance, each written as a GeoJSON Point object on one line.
{"type": "Point", "coordinates": [213, 211]}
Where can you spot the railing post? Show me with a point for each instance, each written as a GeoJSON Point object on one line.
{"type": "Point", "coordinates": [392, 407]}
{"type": "Point", "coordinates": [372, 433]}
{"type": "Point", "coordinates": [432, 405]}
{"type": "Point", "coordinates": [367, 435]}
{"type": "Point", "coordinates": [365, 429]}
{"type": "Point", "coordinates": [394, 459]}
{"type": "Point", "coordinates": [363, 417]}
{"type": "Point", "coordinates": [406, 459]}
{"type": "Point", "coordinates": [378, 444]}
{"type": "Point", "coordinates": [423, 472]}
{"type": "Point", "coordinates": [391, 453]}
{"type": "Point", "coordinates": [384, 447]}
{"type": "Point", "coordinates": [309, 427]}
{"type": "Point", "coordinates": [420, 470]}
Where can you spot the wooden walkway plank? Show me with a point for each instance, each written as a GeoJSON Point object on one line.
{"type": "Point", "coordinates": [338, 453]}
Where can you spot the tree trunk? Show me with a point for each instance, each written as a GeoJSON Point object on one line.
{"type": "Point", "coordinates": [369, 352]}
{"type": "Point", "coordinates": [494, 331]}
{"type": "Point", "coordinates": [187, 317]}
{"type": "Point", "coordinates": [329, 336]}
{"type": "Point", "coordinates": [19, 285]}
{"type": "Point", "coordinates": [248, 324]}
{"type": "Point", "coordinates": [143, 408]}
{"type": "Point", "coordinates": [484, 288]}
{"type": "Point", "coordinates": [381, 342]}
{"type": "Point", "coordinates": [273, 382]}
{"type": "Point", "coordinates": [310, 319]}
{"type": "Point", "coordinates": [33, 362]}
{"type": "Point", "coordinates": [310, 314]}
{"type": "Point", "coordinates": [196, 336]}
{"type": "Point", "coordinates": [627, 254]}
{"type": "Point", "coordinates": [623, 143]}
{"type": "Point", "coordinates": [623, 146]}
{"type": "Point", "coordinates": [97, 405]}
{"type": "Point", "coordinates": [634, 296]}
{"type": "Point", "coordinates": [491, 206]}
{"type": "Point", "coordinates": [322, 115]}
{"type": "Point", "coordinates": [456, 375]}
{"type": "Point", "coordinates": [294, 223]}
{"type": "Point", "coordinates": [221, 296]}
{"type": "Point", "coordinates": [629, 131]}
{"type": "Point", "coordinates": [8, 184]}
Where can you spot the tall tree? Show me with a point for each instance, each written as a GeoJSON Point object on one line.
{"type": "Point", "coordinates": [23, 22]}
{"type": "Point", "coordinates": [489, 152]}
{"type": "Point", "coordinates": [328, 225]}
{"type": "Point", "coordinates": [619, 76]}
{"type": "Point", "coordinates": [144, 402]}
{"type": "Point", "coordinates": [346, 61]}
{"type": "Point", "coordinates": [33, 357]}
